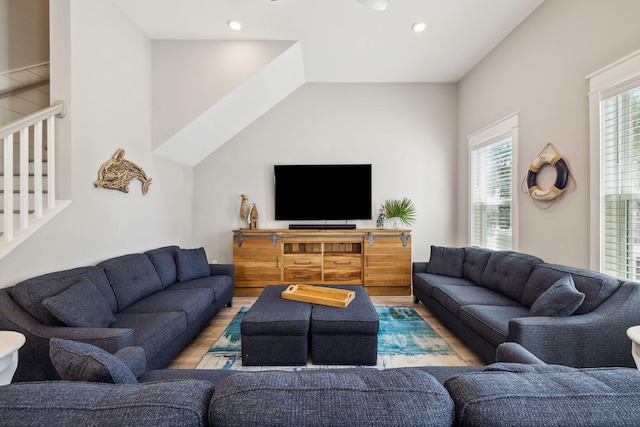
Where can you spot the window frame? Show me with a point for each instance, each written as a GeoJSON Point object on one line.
{"type": "Point", "coordinates": [496, 132]}
{"type": "Point", "coordinates": [609, 81]}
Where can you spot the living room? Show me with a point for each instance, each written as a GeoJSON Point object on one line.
{"type": "Point", "coordinates": [418, 148]}
{"type": "Point", "coordinates": [414, 134]}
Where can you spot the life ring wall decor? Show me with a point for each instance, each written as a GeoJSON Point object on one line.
{"type": "Point", "coordinates": [548, 156]}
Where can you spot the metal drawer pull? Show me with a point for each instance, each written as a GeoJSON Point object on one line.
{"type": "Point", "coordinates": [302, 263]}
{"type": "Point", "coordinates": [301, 277]}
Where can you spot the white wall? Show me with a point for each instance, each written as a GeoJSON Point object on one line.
{"type": "Point", "coordinates": [406, 131]}
{"type": "Point", "coordinates": [539, 71]}
{"type": "Point", "coordinates": [24, 33]}
{"type": "Point", "coordinates": [103, 65]}
{"type": "Point", "coordinates": [189, 76]}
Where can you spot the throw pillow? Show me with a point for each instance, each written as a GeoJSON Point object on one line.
{"type": "Point", "coordinates": [446, 261]}
{"type": "Point", "coordinates": [78, 361]}
{"type": "Point", "coordinates": [191, 264]}
{"type": "Point", "coordinates": [81, 305]}
{"type": "Point", "coordinates": [560, 300]}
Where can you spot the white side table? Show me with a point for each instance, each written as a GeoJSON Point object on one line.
{"type": "Point", "coordinates": [10, 343]}
{"type": "Point", "coordinates": [634, 335]}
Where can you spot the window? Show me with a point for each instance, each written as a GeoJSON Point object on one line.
{"type": "Point", "coordinates": [615, 134]}
{"type": "Point", "coordinates": [491, 211]}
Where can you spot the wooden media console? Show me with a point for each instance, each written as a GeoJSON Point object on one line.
{"type": "Point", "coordinates": [379, 259]}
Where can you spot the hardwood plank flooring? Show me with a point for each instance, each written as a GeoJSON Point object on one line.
{"type": "Point", "coordinates": [193, 353]}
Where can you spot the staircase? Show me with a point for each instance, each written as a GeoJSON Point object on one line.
{"type": "Point", "coordinates": [27, 162]}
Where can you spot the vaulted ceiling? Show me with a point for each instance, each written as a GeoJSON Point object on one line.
{"type": "Point", "coordinates": [344, 41]}
{"type": "Point", "coordinates": [339, 41]}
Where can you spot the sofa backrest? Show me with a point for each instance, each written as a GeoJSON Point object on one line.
{"type": "Point", "coordinates": [30, 293]}
{"type": "Point", "coordinates": [348, 397]}
{"type": "Point", "coordinates": [164, 261]}
{"type": "Point", "coordinates": [597, 287]}
{"type": "Point", "coordinates": [507, 272]}
{"type": "Point", "coordinates": [132, 277]}
{"type": "Point", "coordinates": [475, 262]}
{"type": "Point", "coordinates": [550, 397]}
{"type": "Point", "coordinates": [167, 403]}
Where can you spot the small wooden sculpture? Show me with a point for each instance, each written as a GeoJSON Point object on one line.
{"type": "Point", "coordinates": [117, 173]}
{"type": "Point", "coordinates": [244, 208]}
{"type": "Point", "coordinates": [253, 213]}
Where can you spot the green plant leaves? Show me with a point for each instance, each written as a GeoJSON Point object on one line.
{"type": "Point", "coordinates": [403, 209]}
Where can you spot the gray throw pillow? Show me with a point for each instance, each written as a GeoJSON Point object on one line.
{"type": "Point", "coordinates": [446, 261]}
{"type": "Point", "coordinates": [560, 300]}
{"type": "Point", "coordinates": [81, 305]}
{"type": "Point", "coordinates": [78, 361]}
{"type": "Point", "coordinates": [191, 264]}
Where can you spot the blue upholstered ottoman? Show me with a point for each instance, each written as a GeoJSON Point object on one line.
{"type": "Point", "coordinates": [275, 331]}
{"type": "Point", "coordinates": [345, 336]}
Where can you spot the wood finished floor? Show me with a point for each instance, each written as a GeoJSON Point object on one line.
{"type": "Point", "coordinates": [193, 353]}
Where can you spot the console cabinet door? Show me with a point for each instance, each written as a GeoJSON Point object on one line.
{"type": "Point", "coordinates": [258, 263]}
{"type": "Point", "coordinates": [387, 264]}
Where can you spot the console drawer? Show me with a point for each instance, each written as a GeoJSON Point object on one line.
{"type": "Point", "coordinates": [343, 276]}
{"type": "Point", "coordinates": [298, 260]}
{"type": "Point", "coordinates": [302, 275]}
{"type": "Point", "coordinates": [342, 262]}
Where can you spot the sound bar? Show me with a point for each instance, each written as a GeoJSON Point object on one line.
{"type": "Point", "coordinates": [322, 226]}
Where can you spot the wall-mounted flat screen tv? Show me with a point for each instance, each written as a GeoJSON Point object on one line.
{"type": "Point", "coordinates": [322, 192]}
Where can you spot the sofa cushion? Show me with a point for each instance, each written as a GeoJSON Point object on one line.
{"type": "Point", "coordinates": [585, 397]}
{"type": "Point", "coordinates": [192, 264]}
{"type": "Point", "coordinates": [453, 297]}
{"type": "Point", "coordinates": [426, 281]}
{"type": "Point", "coordinates": [78, 361]}
{"type": "Point", "coordinates": [446, 261]}
{"type": "Point", "coordinates": [491, 322]}
{"type": "Point", "coordinates": [30, 293]}
{"type": "Point", "coordinates": [507, 272]}
{"type": "Point", "coordinates": [64, 403]}
{"type": "Point", "coordinates": [475, 262]}
{"type": "Point", "coordinates": [192, 302]}
{"type": "Point", "coordinates": [132, 278]}
{"type": "Point", "coordinates": [164, 261]}
{"type": "Point", "coordinates": [595, 286]}
{"type": "Point", "coordinates": [338, 397]}
{"type": "Point", "coordinates": [81, 305]}
{"type": "Point", "coordinates": [153, 330]}
{"type": "Point", "coordinates": [560, 300]}
{"type": "Point", "coordinates": [222, 286]}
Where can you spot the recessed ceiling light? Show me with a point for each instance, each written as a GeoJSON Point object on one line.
{"type": "Point", "coordinates": [234, 25]}
{"type": "Point", "coordinates": [419, 27]}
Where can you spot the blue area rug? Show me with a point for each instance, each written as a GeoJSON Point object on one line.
{"type": "Point", "coordinates": [405, 339]}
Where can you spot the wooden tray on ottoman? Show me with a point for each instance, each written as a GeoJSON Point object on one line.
{"type": "Point", "coordinates": [319, 295]}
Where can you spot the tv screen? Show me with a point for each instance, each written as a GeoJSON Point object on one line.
{"type": "Point", "coordinates": [322, 192]}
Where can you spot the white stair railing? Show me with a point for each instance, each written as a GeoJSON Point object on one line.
{"type": "Point", "coordinates": [39, 206]}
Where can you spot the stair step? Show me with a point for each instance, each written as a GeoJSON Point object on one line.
{"type": "Point", "coordinates": [17, 212]}
{"type": "Point", "coordinates": [16, 182]}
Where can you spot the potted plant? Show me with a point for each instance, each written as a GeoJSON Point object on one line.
{"type": "Point", "coordinates": [401, 211]}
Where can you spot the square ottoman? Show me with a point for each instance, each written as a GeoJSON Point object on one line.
{"type": "Point", "coordinates": [275, 331]}
{"type": "Point", "coordinates": [345, 336]}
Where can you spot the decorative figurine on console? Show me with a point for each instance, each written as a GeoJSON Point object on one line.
{"type": "Point", "coordinates": [253, 217]}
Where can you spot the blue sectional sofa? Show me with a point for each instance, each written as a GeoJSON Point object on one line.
{"type": "Point", "coordinates": [563, 315]}
{"type": "Point", "coordinates": [158, 300]}
{"type": "Point", "coordinates": [519, 390]}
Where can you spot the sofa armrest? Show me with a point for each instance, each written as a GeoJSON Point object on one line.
{"type": "Point", "coordinates": [511, 352]}
{"type": "Point", "coordinates": [35, 363]}
{"type": "Point", "coordinates": [587, 340]}
{"type": "Point", "coordinates": [419, 267]}
{"type": "Point", "coordinates": [221, 269]}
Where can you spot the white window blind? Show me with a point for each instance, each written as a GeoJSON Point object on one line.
{"type": "Point", "coordinates": [491, 193]}
{"type": "Point", "coordinates": [620, 156]}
